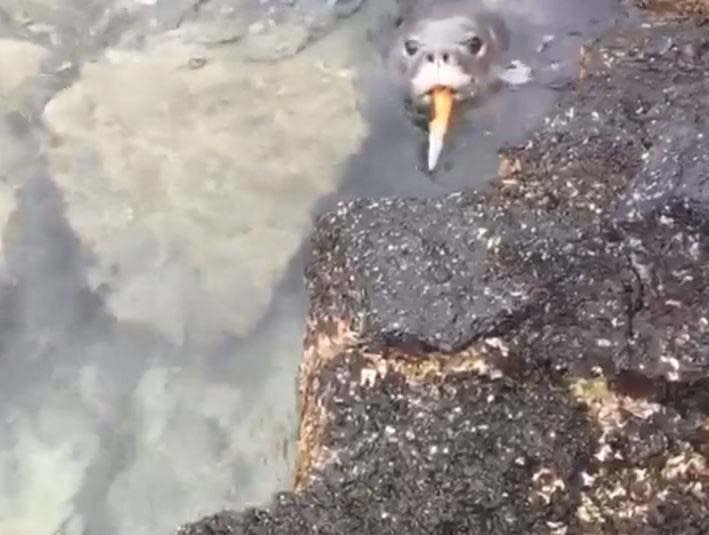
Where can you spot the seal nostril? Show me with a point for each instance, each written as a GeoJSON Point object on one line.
{"type": "Point", "coordinates": [445, 58]}
{"type": "Point", "coordinates": [429, 58]}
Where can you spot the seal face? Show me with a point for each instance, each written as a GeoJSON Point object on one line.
{"type": "Point", "coordinates": [447, 44]}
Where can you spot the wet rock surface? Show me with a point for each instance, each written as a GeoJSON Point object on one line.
{"type": "Point", "coordinates": [529, 359]}
{"type": "Point", "coordinates": [434, 457]}
{"type": "Point", "coordinates": [423, 448]}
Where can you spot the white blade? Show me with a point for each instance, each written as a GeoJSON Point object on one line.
{"type": "Point", "coordinates": [435, 147]}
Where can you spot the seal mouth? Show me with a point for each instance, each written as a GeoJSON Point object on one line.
{"type": "Point", "coordinates": [441, 108]}
{"type": "Point", "coordinates": [452, 77]}
{"type": "Point", "coordinates": [456, 92]}
{"type": "Point", "coordinates": [442, 87]}
{"type": "Point", "coordinates": [461, 88]}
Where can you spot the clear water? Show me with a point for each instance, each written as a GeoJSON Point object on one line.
{"type": "Point", "coordinates": [159, 174]}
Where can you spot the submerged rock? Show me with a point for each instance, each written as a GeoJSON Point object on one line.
{"type": "Point", "coordinates": [531, 359]}
{"type": "Point", "coordinates": [158, 177]}
{"type": "Point", "coordinates": [265, 30]}
{"type": "Point", "coordinates": [19, 62]}
{"type": "Point", "coordinates": [85, 27]}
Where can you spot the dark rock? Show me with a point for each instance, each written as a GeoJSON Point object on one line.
{"type": "Point", "coordinates": [461, 453]}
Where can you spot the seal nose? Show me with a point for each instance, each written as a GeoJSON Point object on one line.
{"type": "Point", "coordinates": [438, 57]}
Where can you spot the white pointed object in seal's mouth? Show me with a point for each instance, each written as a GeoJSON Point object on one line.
{"type": "Point", "coordinates": [435, 147]}
{"type": "Point", "coordinates": [442, 103]}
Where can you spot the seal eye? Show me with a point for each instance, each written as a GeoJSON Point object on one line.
{"type": "Point", "coordinates": [411, 47]}
{"type": "Point", "coordinates": [474, 45]}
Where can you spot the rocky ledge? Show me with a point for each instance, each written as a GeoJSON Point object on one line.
{"type": "Point", "coordinates": [532, 359]}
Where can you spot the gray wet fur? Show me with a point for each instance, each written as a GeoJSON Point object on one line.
{"type": "Point", "coordinates": [439, 30]}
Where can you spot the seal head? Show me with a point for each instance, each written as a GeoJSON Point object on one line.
{"type": "Point", "coordinates": [447, 44]}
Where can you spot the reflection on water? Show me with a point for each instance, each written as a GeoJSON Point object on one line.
{"type": "Point", "coordinates": [159, 171]}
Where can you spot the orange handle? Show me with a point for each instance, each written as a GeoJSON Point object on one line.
{"type": "Point", "coordinates": [442, 101]}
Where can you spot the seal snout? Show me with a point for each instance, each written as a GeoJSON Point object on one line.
{"type": "Point", "coordinates": [450, 52]}
{"type": "Point", "coordinates": [438, 57]}
{"type": "Point", "coordinates": [440, 68]}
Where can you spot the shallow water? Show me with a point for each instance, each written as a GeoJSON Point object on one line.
{"type": "Point", "coordinates": [160, 171]}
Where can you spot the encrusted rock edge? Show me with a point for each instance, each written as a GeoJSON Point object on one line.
{"type": "Point", "coordinates": [534, 359]}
